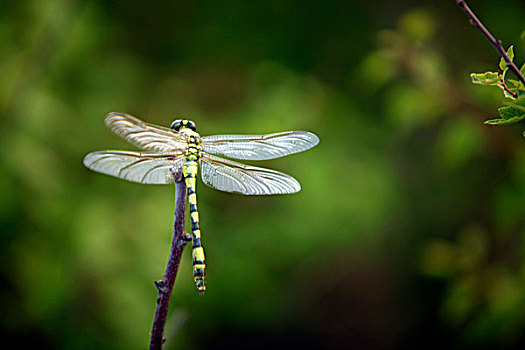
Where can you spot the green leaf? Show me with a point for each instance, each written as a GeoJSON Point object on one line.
{"type": "Point", "coordinates": [509, 112]}
{"type": "Point", "coordinates": [509, 115]}
{"type": "Point", "coordinates": [487, 78]}
{"type": "Point", "coordinates": [522, 69]}
{"type": "Point", "coordinates": [519, 108]}
{"type": "Point", "coordinates": [496, 122]}
{"type": "Point", "coordinates": [522, 36]}
{"type": "Point", "coordinates": [503, 121]}
{"type": "Point", "coordinates": [503, 64]}
{"type": "Point", "coordinates": [506, 93]}
{"type": "Point", "coordinates": [518, 103]}
{"type": "Point", "coordinates": [510, 53]}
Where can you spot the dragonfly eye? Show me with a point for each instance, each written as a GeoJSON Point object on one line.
{"type": "Point", "coordinates": [191, 125]}
{"type": "Point", "coordinates": [176, 125]}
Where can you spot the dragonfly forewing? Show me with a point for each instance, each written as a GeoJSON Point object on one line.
{"type": "Point", "coordinates": [260, 147]}
{"type": "Point", "coordinates": [143, 135]}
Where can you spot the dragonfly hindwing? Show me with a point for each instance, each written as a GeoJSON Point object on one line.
{"type": "Point", "coordinates": [134, 166]}
{"type": "Point", "coordinates": [226, 175]}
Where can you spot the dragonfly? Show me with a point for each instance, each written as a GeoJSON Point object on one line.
{"type": "Point", "coordinates": [181, 150]}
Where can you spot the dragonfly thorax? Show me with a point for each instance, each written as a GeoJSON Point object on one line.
{"type": "Point", "coordinates": [193, 152]}
{"type": "Point", "coordinates": [186, 128]}
{"type": "Point", "coordinates": [194, 149]}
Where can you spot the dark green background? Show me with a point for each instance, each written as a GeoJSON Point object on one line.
{"type": "Point", "coordinates": [409, 228]}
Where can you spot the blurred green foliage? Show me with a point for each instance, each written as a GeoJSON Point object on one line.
{"type": "Point", "coordinates": [409, 228]}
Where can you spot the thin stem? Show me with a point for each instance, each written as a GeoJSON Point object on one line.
{"type": "Point", "coordinates": [496, 43]}
{"type": "Point", "coordinates": [165, 286]}
{"type": "Point", "coordinates": [506, 88]}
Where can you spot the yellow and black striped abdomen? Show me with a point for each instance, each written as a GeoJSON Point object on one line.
{"type": "Point", "coordinates": [189, 171]}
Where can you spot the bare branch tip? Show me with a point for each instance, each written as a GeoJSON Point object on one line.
{"type": "Point", "coordinates": [185, 238]}
{"type": "Point", "coordinates": [177, 175]}
{"type": "Point", "coordinates": [498, 45]}
{"type": "Point", "coordinates": [161, 286]}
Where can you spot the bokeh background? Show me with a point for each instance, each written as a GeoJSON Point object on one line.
{"type": "Point", "coordinates": [409, 230]}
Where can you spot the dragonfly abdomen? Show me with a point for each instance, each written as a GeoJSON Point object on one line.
{"type": "Point", "coordinates": [189, 171]}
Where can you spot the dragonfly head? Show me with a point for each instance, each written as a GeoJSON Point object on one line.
{"type": "Point", "coordinates": [179, 124]}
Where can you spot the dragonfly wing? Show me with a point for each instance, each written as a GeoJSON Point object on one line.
{"type": "Point", "coordinates": [260, 147]}
{"type": "Point", "coordinates": [143, 135]}
{"type": "Point", "coordinates": [226, 175]}
{"type": "Point", "coordinates": [133, 166]}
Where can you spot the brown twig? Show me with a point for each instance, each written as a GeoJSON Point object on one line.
{"type": "Point", "coordinates": [165, 286]}
{"type": "Point", "coordinates": [514, 94]}
{"type": "Point", "coordinates": [496, 43]}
